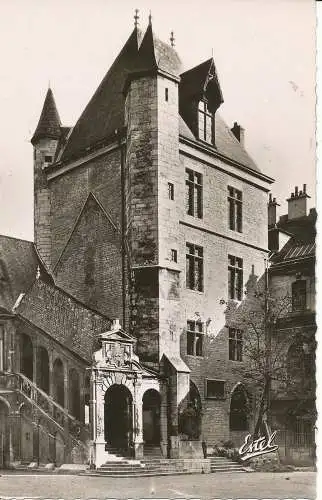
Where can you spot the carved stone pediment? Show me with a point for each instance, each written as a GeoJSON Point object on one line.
{"type": "Point", "coordinates": [116, 350]}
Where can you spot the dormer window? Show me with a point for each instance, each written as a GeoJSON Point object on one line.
{"type": "Point", "coordinates": [205, 123]}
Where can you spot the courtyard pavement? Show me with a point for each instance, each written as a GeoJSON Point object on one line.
{"type": "Point", "coordinates": [255, 485]}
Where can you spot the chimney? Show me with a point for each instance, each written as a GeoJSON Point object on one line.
{"type": "Point", "coordinates": [297, 203]}
{"type": "Point", "coordinates": [239, 133]}
{"type": "Point", "coordinates": [271, 209]}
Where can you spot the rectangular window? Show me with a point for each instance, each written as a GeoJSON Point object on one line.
{"type": "Point", "coordinates": [193, 193]}
{"type": "Point", "coordinates": [170, 191]}
{"type": "Point", "coordinates": [166, 94]}
{"type": "Point", "coordinates": [195, 338]}
{"type": "Point", "coordinates": [215, 389]}
{"type": "Point", "coordinates": [235, 344]}
{"type": "Point", "coordinates": [174, 255]}
{"type": "Point", "coordinates": [235, 277]}
{"type": "Point", "coordinates": [205, 123]}
{"type": "Point", "coordinates": [235, 209]}
{"type": "Point", "coordinates": [299, 295]}
{"type": "Point", "coordinates": [48, 159]}
{"type": "Point", "coordinates": [194, 267]}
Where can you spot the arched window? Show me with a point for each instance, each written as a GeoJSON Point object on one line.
{"type": "Point", "coordinates": [43, 369]}
{"type": "Point", "coordinates": [238, 420]}
{"type": "Point", "coordinates": [58, 381]}
{"type": "Point", "coordinates": [26, 356]}
{"type": "Point", "coordinates": [74, 393]}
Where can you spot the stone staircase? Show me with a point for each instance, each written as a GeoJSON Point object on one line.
{"type": "Point", "coordinates": [222, 464]}
{"type": "Point", "coordinates": [158, 466]}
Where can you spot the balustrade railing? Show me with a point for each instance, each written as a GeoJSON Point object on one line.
{"type": "Point", "coordinates": [18, 381]}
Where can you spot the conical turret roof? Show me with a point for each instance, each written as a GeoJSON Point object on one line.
{"type": "Point", "coordinates": [49, 122]}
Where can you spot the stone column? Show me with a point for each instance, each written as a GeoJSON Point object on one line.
{"type": "Point", "coordinates": [98, 404]}
{"type": "Point", "coordinates": [137, 411]}
{"type": "Point", "coordinates": [66, 394]}
{"type": "Point", "coordinates": [164, 418]}
{"type": "Point", "coordinates": [51, 375]}
{"type": "Point", "coordinates": [34, 360]}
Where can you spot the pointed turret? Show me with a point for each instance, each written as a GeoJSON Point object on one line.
{"type": "Point", "coordinates": [49, 125]}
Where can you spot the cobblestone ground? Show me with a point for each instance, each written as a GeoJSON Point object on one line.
{"type": "Point", "coordinates": [296, 485]}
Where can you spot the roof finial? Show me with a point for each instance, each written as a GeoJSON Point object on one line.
{"type": "Point", "coordinates": [150, 19]}
{"type": "Point", "coordinates": [172, 39]}
{"type": "Point", "coordinates": [136, 18]}
{"type": "Point", "coordinates": [212, 52]}
{"type": "Point", "coordinates": [48, 84]}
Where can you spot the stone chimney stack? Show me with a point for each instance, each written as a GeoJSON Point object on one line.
{"type": "Point", "coordinates": [271, 209]}
{"type": "Point", "coordinates": [297, 203]}
{"type": "Point", "coordinates": [239, 133]}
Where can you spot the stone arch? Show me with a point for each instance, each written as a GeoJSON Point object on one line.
{"type": "Point", "coordinates": [26, 433]}
{"type": "Point", "coordinates": [239, 408]}
{"type": "Point", "coordinates": [58, 382]}
{"type": "Point", "coordinates": [74, 393]}
{"type": "Point", "coordinates": [151, 401]}
{"type": "Point", "coordinates": [43, 369]}
{"type": "Point", "coordinates": [26, 360]}
{"type": "Point", "coordinates": [118, 418]}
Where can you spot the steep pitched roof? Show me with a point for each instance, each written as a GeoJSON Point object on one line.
{"type": "Point", "coordinates": [63, 318]}
{"type": "Point", "coordinates": [49, 125]}
{"type": "Point", "coordinates": [105, 111]}
{"type": "Point", "coordinates": [200, 81]}
{"type": "Point", "coordinates": [155, 54]}
{"type": "Point", "coordinates": [18, 268]}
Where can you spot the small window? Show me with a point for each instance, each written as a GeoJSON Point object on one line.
{"type": "Point", "coordinates": [205, 123]}
{"type": "Point", "coordinates": [299, 295]}
{"type": "Point", "coordinates": [170, 191]}
{"type": "Point", "coordinates": [48, 159]}
{"type": "Point", "coordinates": [215, 389]}
{"type": "Point", "coordinates": [174, 255]}
{"type": "Point", "coordinates": [235, 277]}
{"type": "Point", "coordinates": [166, 94]}
{"type": "Point", "coordinates": [195, 338]}
{"type": "Point", "coordinates": [194, 193]}
{"type": "Point", "coordinates": [235, 344]}
{"type": "Point", "coordinates": [235, 209]}
{"type": "Point", "coordinates": [194, 267]}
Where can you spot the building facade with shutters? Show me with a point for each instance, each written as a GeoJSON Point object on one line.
{"type": "Point", "coordinates": [149, 210]}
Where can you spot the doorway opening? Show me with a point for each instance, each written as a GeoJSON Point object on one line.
{"type": "Point", "coordinates": [118, 424]}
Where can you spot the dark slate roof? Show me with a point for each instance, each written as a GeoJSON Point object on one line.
{"type": "Point", "coordinates": [155, 54]}
{"type": "Point", "coordinates": [226, 142]}
{"type": "Point", "coordinates": [200, 81]}
{"type": "Point", "coordinates": [295, 251]}
{"type": "Point", "coordinates": [63, 318]}
{"type": "Point", "coordinates": [49, 125]}
{"type": "Point", "coordinates": [18, 268]}
{"type": "Point", "coordinates": [105, 111]}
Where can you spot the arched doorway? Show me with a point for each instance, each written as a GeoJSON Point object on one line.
{"type": "Point", "coordinates": [151, 417]}
{"type": "Point", "coordinates": [43, 369]}
{"type": "Point", "coordinates": [118, 424]}
{"type": "Point", "coordinates": [238, 416]}
{"type": "Point", "coordinates": [58, 379]}
{"type": "Point", "coordinates": [74, 393]}
{"type": "Point", "coordinates": [26, 356]}
{"type": "Point", "coordinates": [4, 435]}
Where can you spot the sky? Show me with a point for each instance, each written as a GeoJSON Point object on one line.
{"type": "Point", "coordinates": [264, 53]}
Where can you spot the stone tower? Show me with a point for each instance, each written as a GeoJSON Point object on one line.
{"type": "Point", "coordinates": [152, 119]}
{"type": "Point", "coordinates": [45, 141]}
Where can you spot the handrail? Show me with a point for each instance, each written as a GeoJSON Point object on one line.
{"type": "Point", "coordinates": [45, 403]}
